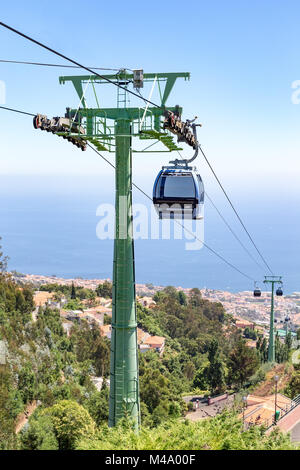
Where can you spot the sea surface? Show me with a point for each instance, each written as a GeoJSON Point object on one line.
{"type": "Point", "coordinates": [48, 226]}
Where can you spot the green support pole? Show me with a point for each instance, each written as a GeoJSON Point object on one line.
{"type": "Point", "coordinates": [271, 350]}
{"type": "Point", "coordinates": [124, 386]}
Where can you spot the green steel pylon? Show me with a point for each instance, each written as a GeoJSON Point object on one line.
{"type": "Point", "coordinates": [124, 383]}
{"type": "Point", "coordinates": [127, 123]}
{"type": "Point", "coordinates": [271, 350]}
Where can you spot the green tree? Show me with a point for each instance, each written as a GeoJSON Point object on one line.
{"type": "Point", "coordinates": [225, 431]}
{"type": "Point", "coordinates": [154, 388]}
{"type": "Point", "coordinates": [27, 383]}
{"type": "Point", "coordinates": [259, 343]}
{"type": "Point", "coordinates": [214, 374]}
{"type": "Point", "coordinates": [216, 377]}
{"type": "Point", "coordinates": [89, 345]}
{"type": "Point", "coordinates": [73, 304]}
{"type": "Point", "coordinates": [242, 363]}
{"type": "Point", "coordinates": [200, 379]}
{"type": "Point", "coordinates": [293, 387]}
{"type": "Point", "coordinates": [3, 260]}
{"type": "Point", "coordinates": [71, 422]}
{"type": "Point", "coordinates": [7, 425]}
{"type": "Point", "coordinates": [195, 297]}
{"type": "Point", "coordinates": [189, 370]}
{"type": "Point", "coordinates": [38, 434]}
{"type": "Point", "coordinates": [288, 341]}
{"type": "Point", "coordinates": [264, 350]}
{"type": "Point", "coordinates": [104, 290]}
{"type": "Point", "coordinates": [97, 405]}
{"type": "Point", "coordinates": [182, 298]}
{"type": "Point", "coordinates": [281, 350]}
{"type": "Point", "coordinates": [250, 333]}
{"type": "Point", "coordinates": [101, 357]}
{"type": "Point", "coordinates": [73, 292]}
{"type": "Point", "coordinates": [50, 318]}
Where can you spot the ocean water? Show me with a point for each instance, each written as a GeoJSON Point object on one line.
{"type": "Point", "coordinates": [48, 226]}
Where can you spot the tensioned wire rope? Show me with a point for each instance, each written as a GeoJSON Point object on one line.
{"type": "Point", "coordinates": [145, 100]}
{"type": "Point", "coordinates": [149, 197]}
{"type": "Point", "coordinates": [56, 65]}
{"type": "Point", "coordinates": [228, 225]}
{"type": "Point", "coordinates": [179, 223]}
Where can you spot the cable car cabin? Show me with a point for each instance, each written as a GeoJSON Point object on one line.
{"type": "Point", "coordinates": [257, 293]}
{"type": "Point", "coordinates": [178, 193]}
{"type": "Point", "coordinates": [279, 292]}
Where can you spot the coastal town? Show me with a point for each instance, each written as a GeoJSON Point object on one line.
{"type": "Point", "coordinates": [245, 309]}
{"type": "Point", "coordinates": [94, 314]}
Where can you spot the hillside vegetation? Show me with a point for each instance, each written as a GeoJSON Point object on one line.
{"type": "Point", "coordinates": [47, 370]}
{"type": "Point", "coordinates": [224, 432]}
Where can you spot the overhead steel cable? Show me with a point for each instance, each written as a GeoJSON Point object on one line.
{"type": "Point", "coordinates": [16, 111]}
{"type": "Point", "coordinates": [150, 198]}
{"type": "Point", "coordinates": [234, 210]}
{"type": "Point", "coordinates": [228, 226]}
{"type": "Point", "coordinates": [233, 233]}
{"type": "Point", "coordinates": [179, 223]}
{"type": "Point", "coordinates": [25, 36]}
{"type": "Point", "coordinates": [54, 65]}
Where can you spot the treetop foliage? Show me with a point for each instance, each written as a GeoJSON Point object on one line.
{"type": "Point", "coordinates": [224, 432]}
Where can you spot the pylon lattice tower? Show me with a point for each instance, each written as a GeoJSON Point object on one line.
{"type": "Point", "coordinates": [113, 130]}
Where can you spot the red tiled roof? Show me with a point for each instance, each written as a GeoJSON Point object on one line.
{"type": "Point", "coordinates": [105, 329]}
{"type": "Point", "coordinates": [157, 340]}
{"type": "Point", "coordinates": [40, 298]}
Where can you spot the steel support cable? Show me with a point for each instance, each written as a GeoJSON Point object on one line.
{"type": "Point", "coordinates": [17, 111]}
{"type": "Point", "coordinates": [53, 65]}
{"type": "Point", "coordinates": [184, 228]}
{"type": "Point", "coordinates": [145, 100]}
{"type": "Point", "coordinates": [139, 96]}
{"type": "Point", "coordinates": [25, 36]}
{"type": "Point", "coordinates": [235, 211]}
{"type": "Point", "coordinates": [227, 224]}
{"type": "Point", "coordinates": [150, 198]}
{"type": "Point", "coordinates": [233, 233]}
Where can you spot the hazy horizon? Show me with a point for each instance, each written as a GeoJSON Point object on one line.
{"type": "Point", "coordinates": [48, 225]}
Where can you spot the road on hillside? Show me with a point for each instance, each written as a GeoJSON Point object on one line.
{"type": "Point", "coordinates": [295, 433]}
{"type": "Point", "coordinates": [22, 419]}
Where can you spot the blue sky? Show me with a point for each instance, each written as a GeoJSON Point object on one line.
{"type": "Point", "coordinates": [243, 57]}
